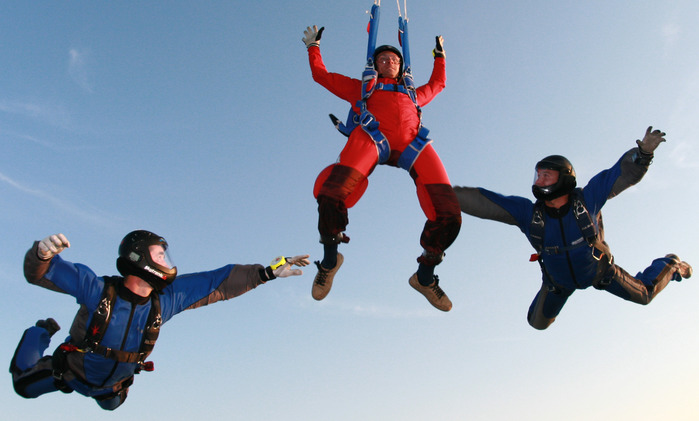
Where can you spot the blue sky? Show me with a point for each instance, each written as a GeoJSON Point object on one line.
{"type": "Point", "coordinates": [200, 121]}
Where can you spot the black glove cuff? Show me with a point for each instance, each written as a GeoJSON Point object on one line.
{"type": "Point", "coordinates": [643, 158]}
{"type": "Point", "coordinates": [267, 274]}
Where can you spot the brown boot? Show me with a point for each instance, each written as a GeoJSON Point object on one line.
{"type": "Point", "coordinates": [434, 294]}
{"type": "Point", "coordinates": [684, 269]}
{"type": "Point", "coordinates": [324, 279]}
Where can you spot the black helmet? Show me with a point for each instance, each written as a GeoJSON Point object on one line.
{"type": "Point", "coordinates": [136, 258]}
{"type": "Point", "coordinates": [566, 178]}
{"type": "Point", "coordinates": [392, 49]}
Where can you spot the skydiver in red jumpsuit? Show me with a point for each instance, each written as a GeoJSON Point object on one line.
{"type": "Point", "coordinates": [343, 183]}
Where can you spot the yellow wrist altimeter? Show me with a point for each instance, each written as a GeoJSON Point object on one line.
{"type": "Point", "coordinates": [277, 263]}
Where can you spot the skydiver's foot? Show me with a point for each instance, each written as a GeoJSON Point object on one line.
{"type": "Point", "coordinates": [50, 325]}
{"type": "Point", "coordinates": [434, 294]}
{"type": "Point", "coordinates": [324, 279]}
{"type": "Point", "coordinates": [684, 269]}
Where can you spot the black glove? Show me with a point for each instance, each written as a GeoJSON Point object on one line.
{"type": "Point", "coordinates": [439, 47]}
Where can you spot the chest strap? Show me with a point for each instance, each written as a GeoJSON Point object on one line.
{"type": "Point", "coordinates": [582, 218]}
{"type": "Point", "coordinates": [100, 322]}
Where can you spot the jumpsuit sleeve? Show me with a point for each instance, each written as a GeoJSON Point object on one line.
{"type": "Point", "coordinates": [437, 82]}
{"type": "Point", "coordinates": [35, 269]}
{"type": "Point", "coordinates": [60, 275]}
{"type": "Point", "coordinates": [474, 202]}
{"type": "Point", "coordinates": [341, 86]}
{"type": "Point", "coordinates": [632, 171]}
{"type": "Point", "coordinates": [200, 289]}
{"type": "Point", "coordinates": [626, 172]}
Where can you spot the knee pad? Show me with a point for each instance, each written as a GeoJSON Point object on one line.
{"type": "Point", "coordinates": [442, 200]}
{"type": "Point", "coordinates": [332, 218]}
{"type": "Point", "coordinates": [437, 236]}
{"type": "Point", "coordinates": [342, 183]}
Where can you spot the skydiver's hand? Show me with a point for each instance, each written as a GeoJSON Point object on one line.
{"type": "Point", "coordinates": [284, 270]}
{"type": "Point", "coordinates": [439, 47]}
{"type": "Point", "coordinates": [52, 245]}
{"type": "Point", "coordinates": [650, 141]}
{"type": "Point", "coordinates": [311, 36]}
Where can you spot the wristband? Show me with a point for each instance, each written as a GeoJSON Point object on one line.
{"type": "Point", "coordinates": [267, 274]}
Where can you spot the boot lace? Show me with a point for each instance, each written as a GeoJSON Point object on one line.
{"type": "Point", "coordinates": [436, 289]}
{"type": "Point", "coordinates": [322, 274]}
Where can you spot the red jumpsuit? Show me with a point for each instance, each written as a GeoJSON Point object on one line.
{"type": "Point", "coordinates": [399, 122]}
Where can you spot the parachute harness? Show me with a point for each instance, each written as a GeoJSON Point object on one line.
{"type": "Point", "coordinates": [365, 118]}
{"type": "Point", "coordinates": [98, 326]}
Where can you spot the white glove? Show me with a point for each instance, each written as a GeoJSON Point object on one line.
{"type": "Point", "coordinates": [311, 36]}
{"type": "Point", "coordinates": [281, 266]}
{"type": "Point", "coordinates": [52, 245]}
{"type": "Point", "coordinates": [650, 141]}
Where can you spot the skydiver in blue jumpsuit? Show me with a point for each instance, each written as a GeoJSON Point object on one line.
{"type": "Point", "coordinates": [569, 259]}
{"type": "Point", "coordinates": [105, 370]}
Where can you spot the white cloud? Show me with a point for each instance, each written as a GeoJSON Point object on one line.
{"type": "Point", "coordinates": [53, 115]}
{"type": "Point", "coordinates": [78, 69]}
{"type": "Point", "coordinates": [671, 33]}
{"type": "Point", "coordinates": [684, 155]}
{"type": "Point", "coordinates": [683, 121]}
{"type": "Point", "coordinates": [29, 138]}
{"type": "Point", "coordinates": [58, 203]}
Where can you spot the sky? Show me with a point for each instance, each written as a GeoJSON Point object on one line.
{"type": "Point", "coordinates": [200, 121]}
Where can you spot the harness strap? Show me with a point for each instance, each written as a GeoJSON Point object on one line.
{"type": "Point", "coordinates": [373, 29]}
{"type": "Point", "coordinates": [582, 218]}
{"type": "Point", "coordinates": [120, 356]}
{"type": "Point", "coordinates": [403, 39]}
{"type": "Point", "coordinates": [591, 235]}
{"type": "Point", "coordinates": [393, 87]}
{"type": "Point", "coordinates": [102, 315]}
{"type": "Point", "coordinates": [536, 230]}
{"type": "Point", "coordinates": [150, 336]}
{"type": "Point", "coordinates": [365, 118]}
{"type": "Point", "coordinates": [369, 124]}
{"type": "Point", "coordinates": [412, 151]}
{"type": "Point", "coordinates": [97, 328]}
{"type": "Point", "coordinates": [369, 77]}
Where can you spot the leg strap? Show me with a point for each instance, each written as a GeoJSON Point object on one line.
{"type": "Point", "coordinates": [371, 127]}
{"type": "Point", "coordinates": [410, 154]}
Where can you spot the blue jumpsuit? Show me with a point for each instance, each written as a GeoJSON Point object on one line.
{"type": "Point", "coordinates": [574, 263]}
{"type": "Point", "coordinates": [90, 374]}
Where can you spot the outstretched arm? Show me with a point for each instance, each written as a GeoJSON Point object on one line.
{"type": "Point", "coordinates": [635, 162]}
{"type": "Point", "coordinates": [200, 289]}
{"type": "Point", "coordinates": [473, 202]}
